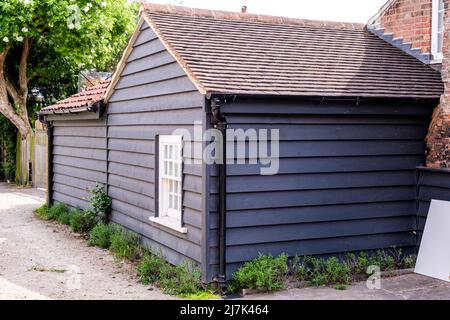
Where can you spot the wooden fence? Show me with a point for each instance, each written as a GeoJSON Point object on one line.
{"type": "Point", "coordinates": [31, 162]}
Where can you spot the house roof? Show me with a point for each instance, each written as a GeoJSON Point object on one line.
{"type": "Point", "coordinates": [81, 100]}
{"type": "Point", "coordinates": [240, 53]}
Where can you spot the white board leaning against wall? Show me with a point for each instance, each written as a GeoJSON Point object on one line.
{"type": "Point", "coordinates": [434, 254]}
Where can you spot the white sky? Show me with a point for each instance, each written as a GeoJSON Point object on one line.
{"type": "Point", "coordinates": [332, 10]}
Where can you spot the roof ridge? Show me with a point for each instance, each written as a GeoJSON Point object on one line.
{"type": "Point", "coordinates": [247, 17]}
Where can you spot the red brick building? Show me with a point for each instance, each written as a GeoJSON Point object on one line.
{"type": "Point", "coordinates": [421, 28]}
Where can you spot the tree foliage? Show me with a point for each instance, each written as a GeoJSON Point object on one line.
{"type": "Point", "coordinates": [45, 41]}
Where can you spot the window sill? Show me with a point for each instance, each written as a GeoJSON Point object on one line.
{"type": "Point", "coordinates": [169, 223]}
{"type": "Point", "coordinates": [436, 61]}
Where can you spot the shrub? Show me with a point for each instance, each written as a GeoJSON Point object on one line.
{"type": "Point", "coordinates": [100, 203]}
{"type": "Point", "coordinates": [57, 210]}
{"type": "Point", "coordinates": [100, 235]}
{"type": "Point", "coordinates": [81, 221]}
{"type": "Point", "coordinates": [263, 273]}
{"type": "Point", "coordinates": [180, 280]}
{"type": "Point", "coordinates": [124, 244]}
{"type": "Point", "coordinates": [149, 269]}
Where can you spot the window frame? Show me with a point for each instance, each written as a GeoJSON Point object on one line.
{"type": "Point", "coordinates": [435, 21]}
{"type": "Point", "coordinates": [169, 179]}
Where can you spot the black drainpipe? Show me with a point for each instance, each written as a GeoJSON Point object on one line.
{"type": "Point", "coordinates": [220, 123]}
{"type": "Point", "coordinates": [49, 126]}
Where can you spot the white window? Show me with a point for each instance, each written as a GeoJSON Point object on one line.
{"type": "Point", "coordinates": [437, 36]}
{"type": "Point", "coordinates": [170, 188]}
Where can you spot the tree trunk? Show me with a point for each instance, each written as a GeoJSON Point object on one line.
{"type": "Point", "coordinates": [18, 113]}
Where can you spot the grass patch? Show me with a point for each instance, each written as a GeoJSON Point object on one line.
{"type": "Point", "coordinates": [81, 221]}
{"type": "Point", "coordinates": [264, 273]}
{"type": "Point", "coordinates": [100, 235]}
{"type": "Point", "coordinates": [320, 272]}
{"type": "Point", "coordinates": [53, 213]}
{"type": "Point", "coordinates": [124, 244]}
{"type": "Point", "coordinates": [183, 280]}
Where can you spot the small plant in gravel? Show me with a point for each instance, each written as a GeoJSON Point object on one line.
{"type": "Point", "coordinates": [42, 212]}
{"type": "Point", "coordinates": [149, 269]}
{"type": "Point", "coordinates": [409, 262]}
{"type": "Point", "coordinates": [183, 280]}
{"type": "Point", "coordinates": [321, 272]}
{"type": "Point", "coordinates": [124, 244]}
{"type": "Point", "coordinates": [81, 221]}
{"type": "Point", "coordinates": [100, 235]}
{"type": "Point", "coordinates": [264, 273]}
{"type": "Point", "coordinates": [100, 203]}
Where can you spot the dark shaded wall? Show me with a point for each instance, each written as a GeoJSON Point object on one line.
{"type": "Point", "coordinates": [432, 184]}
{"type": "Point", "coordinates": [347, 179]}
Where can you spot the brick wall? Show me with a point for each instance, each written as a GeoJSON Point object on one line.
{"type": "Point", "coordinates": [410, 20]}
{"type": "Point", "coordinates": [438, 139]}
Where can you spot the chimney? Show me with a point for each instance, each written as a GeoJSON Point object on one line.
{"type": "Point", "coordinates": [244, 9]}
{"type": "Point", "coordinates": [438, 138]}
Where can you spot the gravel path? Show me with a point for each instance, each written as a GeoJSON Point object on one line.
{"type": "Point", "coordinates": [44, 260]}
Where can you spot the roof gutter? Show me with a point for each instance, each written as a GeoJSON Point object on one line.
{"type": "Point", "coordinates": [96, 107]}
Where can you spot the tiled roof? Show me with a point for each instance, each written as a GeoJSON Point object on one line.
{"type": "Point", "coordinates": [239, 53]}
{"type": "Point", "coordinates": [82, 99]}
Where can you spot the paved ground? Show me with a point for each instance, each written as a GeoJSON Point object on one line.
{"type": "Point", "coordinates": [406, 287]}
{"type": "Point", "coordinates": [43, 260]}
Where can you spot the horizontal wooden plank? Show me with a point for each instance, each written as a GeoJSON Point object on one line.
{"type": "Point", "coordinates": [96, 132]}
{"type": "Point", "coordinates": [173, 101]}
{"type": "Point", "coordinates": [81, 173]}
{"type": "Point", "coordinates": [168, 71]}
{"type": "Point", "coordinates": [176, 85]}
{"type": "Point", "coordinates": [434, 179]}
{"type": "Point", "coordinates": [73, 182]}
{"type": "Point", "coordinates": [324, 230]}
{"type": "Point", "coordinates": [139, 200]}
{"type": "Point", "coordinates": [148, 62]}
{"type": "Point", "coordinates": [70, 201]}
{"type": "Point", "coordinates": [130, 145]}
{"type": "Point", "coordinates": [96, 154]}
{"type": "Point", "coordinates": [281, 118]}
{"type": "Point", "coordinates": [144, 36]}
{"type": "Point", "coordinates": [296, 215]}
{"type": "Point", "coordinates": [288, 132]}
{"type": "Point", "coordinates": [286, 199]}
{"type": "Point", "coordinates": [129, 184]}
{"type": "Point", "coordinates": [146, 49]}
{"type": "Point", "coordinates": [316, 181]}
{"type": "Point", "coordinates": [90, 164]}
{"type": "Point", "coordinates": [428, 193]}
{"type": "Point", "coordinates": [92, 143]}
{"type": "Point", "coordinates": [302, 106]}
{"type": "Point", "coordinates": [290, 149]}
{"type": "Point", "coordinates": [71, 191]}
{"type": "Point", "coordinates": [139, 173]}
{"type": "Point", "coordinates": [131, 158]}
{"type": "Point", "coordinates": [147, 132]}
{"type": "Point", "coordinates": [81, 123]}
{"type": "Point", "coordinates": [180, 117]}
{"type": "Point", "coordinates": [330, 165]}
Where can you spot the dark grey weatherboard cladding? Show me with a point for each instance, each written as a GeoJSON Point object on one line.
{"type": "Point", "coordinates": [432, 184]}
{"type": "Point", "coordinates": [153, 97]}
{"type": "Point", "coordinates": [346, 180]}
{"type": "Point", "coordinates": [79, 159]}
